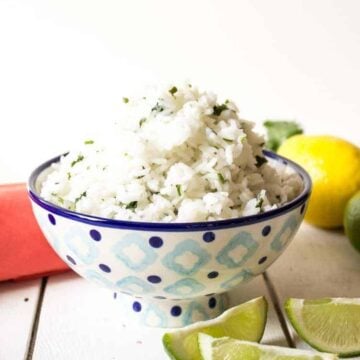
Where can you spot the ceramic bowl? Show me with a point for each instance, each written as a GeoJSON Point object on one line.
{"type": "Point", "coordinates": [169, 274]}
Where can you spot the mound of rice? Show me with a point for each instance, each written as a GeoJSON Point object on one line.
{"type": "Point", "coordinates": [177, 155]}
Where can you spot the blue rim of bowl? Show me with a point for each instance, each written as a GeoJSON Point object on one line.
{"type": "Point", "coordinates": [173, 227]}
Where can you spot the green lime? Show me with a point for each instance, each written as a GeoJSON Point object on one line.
{"type": "Point", "coordinates": [246, 321]}
{"type": "Point", "coordinates": [352, 220]}
{"type": "Point", "coordinates": [329, 324]}
{"type": "Point", "coordinates": [232, 349]}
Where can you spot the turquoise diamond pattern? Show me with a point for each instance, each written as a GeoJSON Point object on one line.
{"type": "Point", "coordinates": [195, 312]}
{"type": "Point", "coordinates": [185, 287]}
{"type": "Point", "coordinates": [135, 285]}
{"type": "Point", "coordinates": [132, 250]}
{"type": "Point", "coordinates": [239, 249]}
{"type": "Point", "coordinates": [154, 317]}
{"type": "Point", "coordinates": [94, 276]}
{"type": "Point", "coordinates": [187, 258]}
{"type": "Point", "coordinates": [80, 246]}
{"type": "Point", "coordinates": [235, 280]}
{"type": "Point", "coordinates": [285, 234]}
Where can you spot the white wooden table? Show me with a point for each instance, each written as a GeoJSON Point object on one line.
{"type": "Point", "coordinates": [65, 317]}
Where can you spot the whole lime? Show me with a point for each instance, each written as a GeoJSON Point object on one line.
{"type": "Point", "coordinates": [352, 220]}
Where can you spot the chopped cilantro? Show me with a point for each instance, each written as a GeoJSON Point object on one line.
{"type": "Point", "coordinates": [242, 138]}
{"type": "Point", "coordinates": [260, 160]}
{"type": "Point", "coordinates": [178, 189]}
{"type": "Point", "coordinates": [125, 100]}
{"type": "Point", "coordinates": [279, 131]}
{"type": "Point", "coordinates": [259, 203]}
{"type": "Point", "coordinates": [173, 90]}
{"type": "Point", "coordinates": [68, 175]}
{"type": "Point", "coordinates": [141, 122]}
{"type": "Point", "coordinates": [80, 197]}
{"type": "Point", "coordinates": [88, 142]}
{"type": "Point", "coordinates": [131, 205]}
{"type": "Point", "coordinates": [140, 177]}
{"type": "Point", "coordinates": [221, 178]}
{"type": "Point", "coordinates": [229, 141]}
{"type": "Point", "coordinates": [158, 108]}
{"type": "Point", "coordinates": [79, 158]}
{"type": "Point", "coordinates": [218, 109]}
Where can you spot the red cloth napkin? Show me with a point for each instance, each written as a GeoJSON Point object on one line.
{"type": "Point", "coordinates": [24, 251]}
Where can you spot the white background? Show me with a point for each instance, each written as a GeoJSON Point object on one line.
{"type": "Point", "coordinates": [65, 65]}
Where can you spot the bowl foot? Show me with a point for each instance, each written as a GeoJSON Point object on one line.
{"type": "Point", "coordinates": [171, 313]}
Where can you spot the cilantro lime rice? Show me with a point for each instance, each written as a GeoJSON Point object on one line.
{"type": "Point", "coordinates": [177, 155]}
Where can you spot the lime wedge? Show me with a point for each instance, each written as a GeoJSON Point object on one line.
{"type": "Point", "coordinates": [329, 324]}
{"type": "Point", "coordinates": [246, 321]}
{"type": "Point", "coordinates": [232, 349]}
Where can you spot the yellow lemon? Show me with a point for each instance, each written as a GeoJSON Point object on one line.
{"type": "Point", "coordinates": [334, 167]}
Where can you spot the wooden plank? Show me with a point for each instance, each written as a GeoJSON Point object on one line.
{"type": "Point", "coordinates": [81, 321]}
{"type": "Point", "coordinates": [318, 263]}
{"type": "Point", "coordinates": [18, 303]}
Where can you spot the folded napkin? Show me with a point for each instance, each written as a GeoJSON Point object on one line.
{"type": "Point", "coordinates": [24, 251]}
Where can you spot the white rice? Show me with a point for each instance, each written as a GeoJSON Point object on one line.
{"type": "Point", "coordinates": [177, 155]}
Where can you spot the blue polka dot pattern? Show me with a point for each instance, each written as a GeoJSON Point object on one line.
{"type": "Point", "coordinates": [262, 260]}
{"type": "Point", "coordinates": [213, 275]}
{"type": "Point", "coordinates": [266, 230]}
{"type": "Point", "coordinates": [154, 279]}
{"type": "Point", "coordinates": [115, 295]}
{"type": "Point", "coordinates": [170, 268]}
{"type": "Point", "coordinates": [212, 303]}
{"type": "Point", "coordinates": [52, 219]}
{"type": "Point", "coordinates": [104, 268]}
{"type": "Point", "coordinates": [70, 259]}
{"type": "Point", "coordinates": [136, 306]}
{"type": "Point", "coordinates": [95, 235]}
{"type": "Point", "coordinates": [176, 310]}
{"type": "Point", "coordinates": [209, 236]}
{"type": "Point", "coordinates": [156, 242]}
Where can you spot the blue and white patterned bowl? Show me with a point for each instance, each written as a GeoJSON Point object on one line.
{"type": "Point", "coordinates": [176, 273]}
